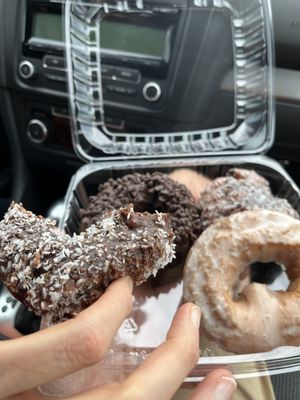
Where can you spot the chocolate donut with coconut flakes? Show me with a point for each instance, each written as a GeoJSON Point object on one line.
{"type": "Point", "coordinates": [240, 190]}
{"type": "Point", "coordinates": [55, 274]}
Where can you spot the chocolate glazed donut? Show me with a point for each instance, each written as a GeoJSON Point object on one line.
{"type": "Point", "coordinates": [56, 274]}
{"type": "Point", "coordinates": [150, 192]}
{"type": "Point", "coordinates": [240, 190]}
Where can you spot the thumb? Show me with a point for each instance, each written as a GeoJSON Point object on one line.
{"type": "Point", "coordinates": [217, 385]}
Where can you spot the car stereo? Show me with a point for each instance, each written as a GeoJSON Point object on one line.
{"type": "Point", "coordinates": [138, 39]}
{"type": "Point", "coordinates": [149, 61]}
{"type": "Point", "coordinates": [134, 41]}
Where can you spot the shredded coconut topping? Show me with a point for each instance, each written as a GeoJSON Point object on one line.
{"type": "Point", "coordinates": [54, 273]}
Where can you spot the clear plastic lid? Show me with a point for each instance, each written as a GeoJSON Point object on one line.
{"type": "Point", "coordinates": [153, 79]}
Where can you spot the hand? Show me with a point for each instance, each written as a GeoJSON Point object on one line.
{"type": "Point", "coordinates": [31, 361]}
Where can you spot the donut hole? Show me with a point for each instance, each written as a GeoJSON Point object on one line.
{"type": "Point", "coordinates": [265, 273]}
{"type": "Point", "coordinates": [271, 274]}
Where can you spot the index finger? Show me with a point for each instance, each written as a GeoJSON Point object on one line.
{"type": "Point", "coordinates": [50, 354]}
{"type": "Point", "coordinates": [8, 332]}
{"type": "Point", "coordinates": [163, 372]}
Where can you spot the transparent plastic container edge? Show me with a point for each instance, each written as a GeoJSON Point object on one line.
{"type": "Point", "coordinates": [253, 129]}
{"type": "Point", "coordinates": [173, 164]}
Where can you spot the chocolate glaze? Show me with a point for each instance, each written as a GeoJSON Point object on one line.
{"type": "Point", "coordinates": [150, 192]}
{"type": "Point", "coordinates": [59, 275]}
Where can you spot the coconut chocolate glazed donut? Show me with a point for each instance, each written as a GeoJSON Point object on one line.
{"type": "Point", "coordinates": [258, 319]}
{"type": "Point", "coordinates": [240, 190]}
{"type": "Point", "coordinates": [59, 275]}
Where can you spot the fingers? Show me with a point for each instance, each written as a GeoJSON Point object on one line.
{"type": "Point", "coordinates": [217, 385]}
{"type": "Point", "coordinates": [103, 392]}
{"type": "Point", "coordinates": [30, 395]}
{"type": "Point", "coordinates": [9, 331]}
{"type": "Point", "coordinates": [163, 372]}
{"type": "Point", "coordinates": [47, 355]}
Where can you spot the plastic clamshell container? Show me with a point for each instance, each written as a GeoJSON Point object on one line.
{"type": "Point", "coordinates": [208, 150]}
{"type": "Point", "coordinates": [155, 303]}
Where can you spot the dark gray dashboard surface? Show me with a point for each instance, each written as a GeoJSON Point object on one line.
{"type": "Point", "coordinates": [286, 15]}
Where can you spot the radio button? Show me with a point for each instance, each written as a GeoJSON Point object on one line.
{"type": "Point", "coordinates": [54, 62]}
{"type": "Point", "coordinates": [109, 88]}
{"type": "Point", "coordinates": [128, 75]}
{"type": "Point", "coordinates": [125, 60]}
{"type": "Point", "coordinates": [152, 92]}
{"type": "Point", "coordinates": [27, 70]}
{"type": "Point", "coordinates": [37, 131]}
{"type": "Point", "coordinates": [151, 63]}
{"type": "Point", "coordinates": [116, 89]}
{"type": "Point", "coordinates": [121, 90]}
{"type": "Point", "coordinates": [56, 77]}
{"type": "Point", "coordinates": [131, 92]}
{"type": "Point", "coordinates": [107, 71]}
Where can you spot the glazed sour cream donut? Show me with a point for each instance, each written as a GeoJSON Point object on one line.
{"type": "Point", "coordinates": [258, 319]}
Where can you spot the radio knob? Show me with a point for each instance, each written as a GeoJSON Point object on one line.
{"type": "Point", "coordinates": [152, 91]}
{"type": "Point", "coordinates": [27, 70]}
{"type": "Point", "coordinates": [37, 131]}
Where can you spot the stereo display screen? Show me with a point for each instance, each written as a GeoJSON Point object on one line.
{"type": "Point", "coordinates": [121, 37]}
{"type": "Point", "coordinates": [131, 38]}
{"type": "Point", "coordinates": [47, 26]}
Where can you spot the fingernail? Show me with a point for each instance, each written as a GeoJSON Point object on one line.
{"type": "Point", "coordinates": [195, 316]}
{"type": "Point", "coordinates": [224, 388]}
